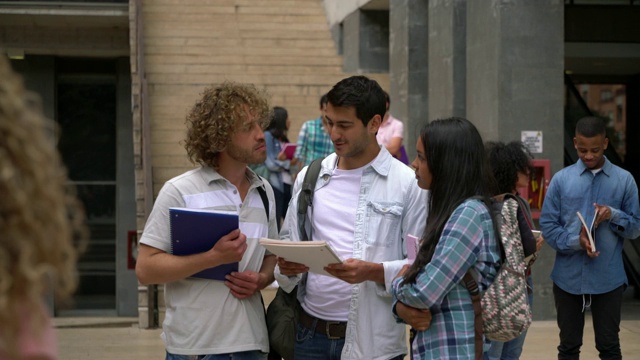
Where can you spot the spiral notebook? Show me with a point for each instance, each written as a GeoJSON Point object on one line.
{"type": "Point", "coordinates": [195, 231]}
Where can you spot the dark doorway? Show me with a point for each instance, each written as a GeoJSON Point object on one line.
{"type": "Point", "coordinates": [86, 112]}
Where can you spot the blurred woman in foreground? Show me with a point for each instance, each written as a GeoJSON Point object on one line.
{"type": "Point", "coordinates": [39, 221]}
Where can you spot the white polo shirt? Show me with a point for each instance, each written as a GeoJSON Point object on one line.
{"type": "Point", "coordinates": [202, 317]}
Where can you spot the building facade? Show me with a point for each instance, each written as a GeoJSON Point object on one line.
{"type": "Point", "coordinates": [118, 77]}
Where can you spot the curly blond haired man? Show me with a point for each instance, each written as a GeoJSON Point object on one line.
{"type": "Point", "coordinates": [217, 319]}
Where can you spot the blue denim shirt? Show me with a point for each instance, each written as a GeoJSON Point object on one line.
{"type": "Point", "coordinates": [573, 189]}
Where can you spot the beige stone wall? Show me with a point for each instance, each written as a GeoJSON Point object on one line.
{"type": "Point", "coordinates": [284, 46]}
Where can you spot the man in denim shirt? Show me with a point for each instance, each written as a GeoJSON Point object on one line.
{"type": "Point", "coordinates": [583, 277]}
{"type": "Point", "coordinates": [365, 204]}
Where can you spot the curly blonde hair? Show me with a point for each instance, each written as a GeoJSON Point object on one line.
{"type": "Point", "coordinates": [217, 115]}
{"type": "Point", "coordinates": [41, 222]}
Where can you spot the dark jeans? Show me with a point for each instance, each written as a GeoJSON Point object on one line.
{"type": "Point", "coordinates": [282, 202]}
{"type": "Point", "coordinates": [311, 345]}
{"type": "Point", "coordinates": [605, 312]}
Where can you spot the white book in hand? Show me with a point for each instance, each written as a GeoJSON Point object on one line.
{"type": "Point", "coordinates": [314, 254]}
{"type": "Point", "coordinates": [591, 230]}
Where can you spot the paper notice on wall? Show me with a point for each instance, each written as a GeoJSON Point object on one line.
{"type": "Point", "coordinates": [532, 140]}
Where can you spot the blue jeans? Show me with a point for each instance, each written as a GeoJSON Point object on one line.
{"type": "Point", "coordinates": [282, 202]}
{"type": "Point", "coordinates": [315, 346]}
{"type": "Point", "coordinates": [311, 345]}
{"type": "Point", "coordinates": [512, 349]}
{"type": "Point", "coordinates": [244, 355]}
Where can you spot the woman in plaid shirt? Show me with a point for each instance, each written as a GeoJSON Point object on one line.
{"type": "Point", "coordinates": [459, 237]}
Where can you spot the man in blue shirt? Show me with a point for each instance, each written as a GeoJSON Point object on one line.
{"type": "Point", "coordinates": [584, 277]}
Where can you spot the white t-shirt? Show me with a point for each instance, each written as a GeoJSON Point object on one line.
{"type": "Point", "coordinates": [327, 297]}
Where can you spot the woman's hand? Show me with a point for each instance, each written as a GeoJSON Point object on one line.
{"type": "Point", "coordinates": [419, 319]}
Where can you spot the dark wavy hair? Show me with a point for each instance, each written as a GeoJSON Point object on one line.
{"type": "Point", "coordinates": [506, 161]}
{"type": "Point", "coordinates": [456, 159]}
{"type": "Point", "coordinates": [362, 93]}
{"type": "Point", "coordinates": [217, 115]}
{"type": "Point", "coordinates": [278, 124]}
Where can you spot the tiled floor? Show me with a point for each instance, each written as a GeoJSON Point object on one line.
{"type": "Point", "coordinates": [120, 338]}
{"type": "Point", "coordinates": [108, 343]}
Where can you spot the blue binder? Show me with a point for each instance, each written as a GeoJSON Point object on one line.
{"type": "Point", "coordinates": [195, 231]}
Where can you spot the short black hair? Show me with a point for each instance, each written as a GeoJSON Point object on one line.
{"type": "Point", "coordinates": [362, 93]}
{"type": "Point", "coordinates": [323, 100]}
{"type": "Point", "coordinates": [590, 126]}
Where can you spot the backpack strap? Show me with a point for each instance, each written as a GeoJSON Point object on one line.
{"type": "Point", "coordinates": [305, 198]}
{"type": "Point", "coordinates": [265, 199]}
{"type": "Point", "coordinates": [495, 208]}
{"type": "Point", "coordinates": [474, 291]}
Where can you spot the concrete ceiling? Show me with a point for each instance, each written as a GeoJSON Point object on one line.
{"type": "Point", "coordinates": [581, 59]}
{"type": "Point", "coordinates": [615, 60]}
{"type": "Point", "coordinates": [67, 14]}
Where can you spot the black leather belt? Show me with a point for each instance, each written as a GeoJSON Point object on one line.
{"type": "Point", "coordinates": [332, 329]}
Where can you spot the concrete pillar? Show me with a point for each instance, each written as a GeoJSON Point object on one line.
{"type": "Point", "coordinates": [126, 281]}
{"type": "Point", "coordinates": [515, 62]}
{"type": "Point", "coordinates": [351, 42]}
{"type": "Point", "coordinates": [366, 41]}
{"type": "Point", "coordinates": [447, 58]}
{"type": "Point", "coordinates": [408, 43]}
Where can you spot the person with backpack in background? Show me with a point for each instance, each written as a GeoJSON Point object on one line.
{"type": "Point", "coordinates": [460, 236]}
{"type": "Point", "coordinates": [584, 277]}
{"type": "Point", "coordinates": [365, 204]}
{"type": "Point", "coordinates": [210, 318]}
{"type": "Point", "coordinates": [275, 137]}
{"type": "Point", "coordinates": [511, 167]}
